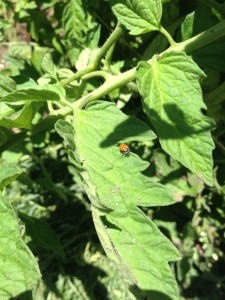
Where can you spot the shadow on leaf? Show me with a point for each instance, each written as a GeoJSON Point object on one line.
{"type": "Point", "coordinates": [132, 129]}
{"type": "Point", "coordinates": [147, 294]}
{"type": "Point", "coordinates": [177, 126]}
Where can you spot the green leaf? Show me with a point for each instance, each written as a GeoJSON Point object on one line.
{"type": "Point", "coordinates": [66, 131]}
{"type": "Point", "coordinates": [80, 29]}
{"type": "Point", "coordinates": [24, 82]}
{"type": "Point", "coordinates": [7, 85]}
{"type": "Point", "coordinates": [116, 179]}
{"type": "Point", "coordinates": [49, 92]}
{"type": "Point", "coordinates": [138, 16]}
{"type": "Point", "coordinates": [19, 269]}
{"type": "Point", "coordinates": [144, 254]}
{"type": "Point", "coordinates": [42, 234]}
{"type": "Point", "coordinates": [8, 173]}
{"type": "Point", "coordinates": [55, 88]}
{"type": "Point", "coordinates": [74, 20]}
{"type": "Point", "coordinates": [21, 118]}
{"type": "Point", "coordinates": [6, 110]}
{"type": "Point", "coordinates": [172, 99]}
{"type": "Point", "coordinates": [48, 66]}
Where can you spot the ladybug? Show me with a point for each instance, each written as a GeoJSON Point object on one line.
{"type": "Point", "coordinates": [124, 149]}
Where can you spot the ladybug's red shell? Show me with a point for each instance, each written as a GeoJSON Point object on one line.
{"type": "Point", "coordinates": [124, 149]}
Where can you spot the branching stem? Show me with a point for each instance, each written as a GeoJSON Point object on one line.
{"type": "Point", "coordinates": [116, 34]}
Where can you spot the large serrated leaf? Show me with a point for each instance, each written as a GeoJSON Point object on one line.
{"type": "Point", "coordinates": [172, 99]}
{"type": "Point", "coordinates": [141, 253]}
{"type": "Point", "coordinates": [115, 182]}
{"type": "Point", "coordinates": [117, 179]}
{"type": "Point", "coordinates": [138, 16]}
{"type": "Point", "coordinates": [19, 270]}
{"type": "Point", "coordinates": [145, 252]}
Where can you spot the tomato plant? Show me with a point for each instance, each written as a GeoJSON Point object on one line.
{"type": "Point", "coordinates": [112, 112]}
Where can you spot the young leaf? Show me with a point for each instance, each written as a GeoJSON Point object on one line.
{"type": "Point", "coordinates": [172, 99]}
{"type": "Point", "coordinates": [8, 173]}
{"type": "Point", "coordinates": [19, 269]}
{"type": "Point", "coordinates": [138, 16]}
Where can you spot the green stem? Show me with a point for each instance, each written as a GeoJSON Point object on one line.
{"type": "Point", "coordinates": [115, 35]}
{"type": "Point", "coordinates": [168, 36]}
{"type": "Point", "coordinates": [113, 38]}
{"type": "Point", "coordinates": [77, 75]}
{"type": "Point", "coordinates": [202, 39]}
{"type": "Point", "coordinates": [108, 59]}
{"type": "Point", "coordinates": [113, 82]}
{"type": "Point", "coordinates": [103, 74]}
